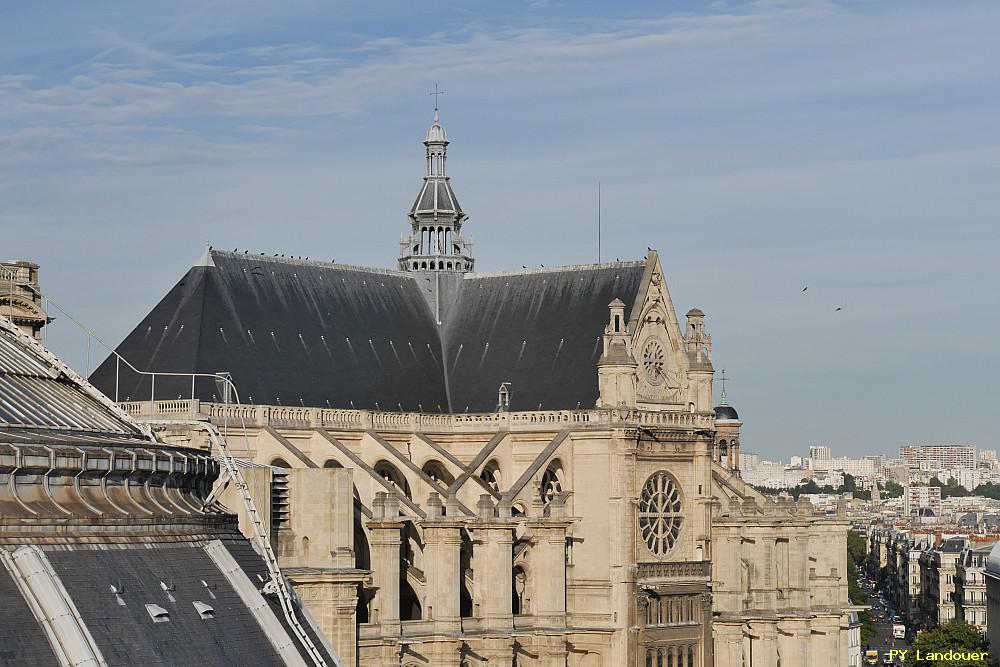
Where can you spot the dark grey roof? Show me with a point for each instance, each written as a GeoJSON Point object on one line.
{"type": "Point", "coordinates": [726, 412]}
{"type": "Point", "coordinates": [540, 331]}
{"type": "Point", "coordinates": [126, 635]}
{"type": "Point", "coordinates": [22, 641]}
{"type": "Point", "coordinates": [952, 545]}
{"type": "Point", "coordinates": [320, 334]}
{"type": "Point", "coordinates": [292, 333]}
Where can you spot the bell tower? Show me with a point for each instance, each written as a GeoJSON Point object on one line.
{"type": "Point", "coordinates": [435, 242]}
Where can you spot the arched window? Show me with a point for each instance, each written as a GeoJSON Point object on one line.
{"type": "Point", "coordinates": [390, 474]}
{"type": "Point", "coordinates": [279, 462]}
{"type": "Point", "coordinates": [491, 475]}
{"type": "Point", "coordinates": [437, 472]}
{"type": "Point", "coordinates": [519, 591]}
{"type": "Point", "coordinates": [552, 481]}
{"type": "Point", "coordinates": [332, 463]}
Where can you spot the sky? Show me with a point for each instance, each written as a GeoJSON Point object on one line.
{"type": "Point", "coordinates": [761, 147]}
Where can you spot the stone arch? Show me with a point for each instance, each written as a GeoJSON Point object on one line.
{"type": "Point", "coordinates": [553, 481]}
{"type": "Point", "coordinates": [437, 471]}
{"type": "Point", "coordinates": [332, 463]}
{"type": "Point", "coordinates": [278, 462]}
{"type": "Point", "coordinates": [491, 475]}
{"type": "Point", "coordinates": [391, 474]}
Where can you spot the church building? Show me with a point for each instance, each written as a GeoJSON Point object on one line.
{"type": "Point", "coordinates": [467, 469]}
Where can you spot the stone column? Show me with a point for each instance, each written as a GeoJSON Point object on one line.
{"type": "Point", "coordinates": [442, 653]}
{"type": "Point", "coordinates": [548, 537]}
{"type": "Point", "coordinates": [332, 598]}
{"type": "Point", "coordinates": [442, 550]}
{"type": "Point", "coordinates": [707, 653]}
{"type": "Point", "coordinates": [763, 644]}
{"type": "Point", "coordinates": [386, 537]}
{"type": "Point", "coordinates": [492, 539]}
{"type": "Point", "coordinates": [793, 642]}
{"type": "Point", "coordinates": [550, 649]}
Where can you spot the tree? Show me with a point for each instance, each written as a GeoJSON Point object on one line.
{"type": "Point", "coordinates": [892, 490]}
{"type": "Point", "coordinates": [988, 490]}
{"type": "Point", "coordinates": [849, 483]}
{"type": "Point", "coordinates": [857, 549]}
{"type": "Point", "coordinates": [956, 636]}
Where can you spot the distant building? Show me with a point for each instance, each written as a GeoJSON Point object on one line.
{"type": "Point", "coordinates": [970, 585]}
{"type": "Point", "coordinates": [820, 453]}
{"type": "Point", "coordinates": [939, 456]}
{"type": "Point", "coordinates": [937, 568]}
{"type": "Point", "coordinates": [988, 455]}
{"type": "Point", "coordinates": [916, 498]}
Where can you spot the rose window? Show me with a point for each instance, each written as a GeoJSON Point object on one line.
{"type": "Point", "coordinates": [660, 516]}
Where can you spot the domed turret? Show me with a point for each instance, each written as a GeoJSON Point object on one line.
{"type": "Point", "coordinates": [727, 431]}
{"type": "Point", "coordinates": [726, 413]}
{"type": "Point", "coordinates": [436, 133]}
{"type": "Point", "coordinates": [436, 242]}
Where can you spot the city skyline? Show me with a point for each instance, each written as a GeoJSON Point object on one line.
{"type": "Point", "coordinates": [761, 148]}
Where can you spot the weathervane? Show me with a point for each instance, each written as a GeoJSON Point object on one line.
{"type": "Point", "coordinates": [435, 93]}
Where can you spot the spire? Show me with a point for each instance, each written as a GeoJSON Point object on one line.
{"type": "Point", "coordinates": [722, 380]}
{"type": "Point", "coordinates": [435, 242]}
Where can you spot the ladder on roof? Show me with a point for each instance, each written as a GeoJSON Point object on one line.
{"type": "Point", "coordinates": [276, 585]}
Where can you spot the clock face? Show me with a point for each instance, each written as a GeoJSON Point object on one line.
{"type": "Point", "coordinates": [653, 362]}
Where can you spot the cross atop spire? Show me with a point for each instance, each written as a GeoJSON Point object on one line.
{"type": "Point", "coordinates": [722, 380]}
{"type": "Point", "coordinates": [435, 93]}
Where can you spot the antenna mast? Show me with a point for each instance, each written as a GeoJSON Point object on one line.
{"type": "Point", "coordinates": [598, 221]}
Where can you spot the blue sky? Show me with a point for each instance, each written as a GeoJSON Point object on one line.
{"type": "Point", "coordinates": [759, 146]}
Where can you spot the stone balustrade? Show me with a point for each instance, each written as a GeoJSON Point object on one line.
{"type": "Point", "coordinates": [336, 419]}
{"type": "Point", "coordinates": [675, 570]}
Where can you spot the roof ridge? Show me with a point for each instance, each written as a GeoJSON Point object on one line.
{"type": "Point", "coordinates": [313, 262]}
{"type": "Point", "coordinates": [558, 269]}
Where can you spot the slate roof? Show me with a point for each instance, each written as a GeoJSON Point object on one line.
{"type": "Point", "coordinates": [436, 196]}
{"type": "Point", "coordinates": [22, 641]}
{"type": "Point", "coordinates": [326, 335]}
{"type": "Point", "coordinates": [126, 635]}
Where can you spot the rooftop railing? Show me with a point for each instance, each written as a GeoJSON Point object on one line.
{"type": "Point", "coordinates": [334, 418]}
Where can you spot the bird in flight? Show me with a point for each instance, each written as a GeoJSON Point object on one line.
{"type": "Point", "coordinates": [805, 288]}
{"type": "Point", "coordinates": [838, 308]}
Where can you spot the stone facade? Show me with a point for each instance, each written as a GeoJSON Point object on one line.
{"type": "Point", "coordinates": [20, 300]}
